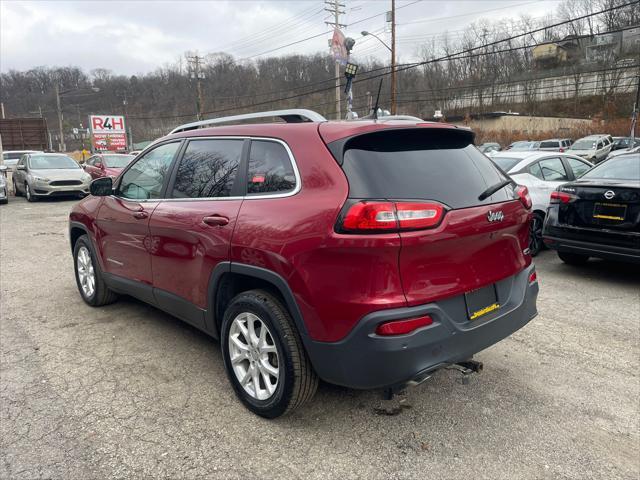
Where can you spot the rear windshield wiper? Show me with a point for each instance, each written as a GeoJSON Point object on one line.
{"type": "Point", "coordinates": [493, 189]}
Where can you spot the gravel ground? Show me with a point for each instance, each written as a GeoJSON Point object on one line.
{"type": "Point", "coordinates": [126, 391]}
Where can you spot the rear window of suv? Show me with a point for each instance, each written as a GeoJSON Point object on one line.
{"type": "Point", "coordinates": [430, 164]}
{"type": "Point", "coordinates": [549, 145]}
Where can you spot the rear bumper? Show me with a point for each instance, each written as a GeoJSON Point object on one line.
{"type": "Point", "coordinates": [365, 360]}
{"type": "Point", "coordinates": [593, 249]}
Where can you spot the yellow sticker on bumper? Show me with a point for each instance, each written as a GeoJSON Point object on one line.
{"type": "Point", "coordinates": [484, 311]}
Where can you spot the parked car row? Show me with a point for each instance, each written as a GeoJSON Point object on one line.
{"type": "Point", "coordinates": [578, 209]}
{"type": "Point", "coordinates": [37, 174]}
{"type": "Point", "coordinates": [593, 148]}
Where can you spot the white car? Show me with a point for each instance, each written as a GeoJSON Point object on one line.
{"type": "Point", "coordinates": [594, 148]}
{"type": "Point", "coordinates": [10, 157]}
{"type": "Point", "coordinates": [541, 173]}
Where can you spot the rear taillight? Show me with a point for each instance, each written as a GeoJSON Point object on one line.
{"type": "Point", "coordinates": [533, 277]}
{"type": "Point", "coordinates": [368, 216]}
{"type": "Point", "coordinates": [523, 195]}
{"type": "Point", "coordinates": [561, 150]}
{"type": "Point", "coordinates": [561, 197]}
{"type": "Point", "coordinates": [402, 327]}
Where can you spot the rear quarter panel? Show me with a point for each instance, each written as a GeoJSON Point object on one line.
{"type": "Point", "coordinates": [336, 279]}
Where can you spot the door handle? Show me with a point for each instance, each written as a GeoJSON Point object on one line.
{"type": "Point", "coordinates": [140, 215]}
{"type": "Point", "coordinates": [216, 220]}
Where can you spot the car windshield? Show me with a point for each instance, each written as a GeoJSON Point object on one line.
{"type": "Point", "coordinates": [12, 155]}
{"type": "Point", "coordinates": [584, 144]}
{"type": "Point", "coordinates": [48, 162]}
{"type": "Point", "coordinates": [622, 167]}
{"type": "Point", "coordinates": [506, 163]}
{"type": "Point", "coordinates": [523, 145]}
{"type": "Point", "coordinates": [117, 161]}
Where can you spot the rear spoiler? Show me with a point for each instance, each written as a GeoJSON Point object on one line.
{"type": "Point", "coordinates": [403, 139]}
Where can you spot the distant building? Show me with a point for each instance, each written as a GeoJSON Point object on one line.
{"type": "Point", "coordinates": [549, 54]}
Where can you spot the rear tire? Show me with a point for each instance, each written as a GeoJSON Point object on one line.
{"type": "Point", "coordinates": [281, 353]}
{"type": "Point", "coordinates": [89, 278]}
{"type": "Point", "coordinates": [573, 258]}
{"type": "Point", "coordinates": [536, 245]}
{"type": "Point", "coordinates": [16, 192]}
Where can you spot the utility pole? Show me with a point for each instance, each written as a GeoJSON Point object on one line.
{"type": "Point", "coordinates": [62, 145]}
{"type": "Point", "coordinates": [336, 8]}
{"type": "Point", "coordinates": [393, 57]}
{"type": "Point", "coordinates": [194, 67]}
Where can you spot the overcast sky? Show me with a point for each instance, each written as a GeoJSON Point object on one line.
{"type": "Point", "coordinates": [133, 37]}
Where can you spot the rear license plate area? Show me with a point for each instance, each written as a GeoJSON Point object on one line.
{"type": "Point", "coordinates": [609, 212]}
{"type": "Point", "coordinates": [481, 301]}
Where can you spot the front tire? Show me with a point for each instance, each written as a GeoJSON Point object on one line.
{"type": "Point", "coordinates": [89, 278]}
{"type": "Point", "coordinates": [264, 357]}
{"type": "Point", "coordinates": [535, 234]}
{"type": "Point", "coordinates": [573, 258]}
{"type": "Point", "coordinates": [28, 193]}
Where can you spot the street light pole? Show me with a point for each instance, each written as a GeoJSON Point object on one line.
{"type": "Point", "coordinates": [62, 147]}
{"type": "Point", "coordinates": [393, 57]}
{"type": "Point", "coordinates": [392, 49]}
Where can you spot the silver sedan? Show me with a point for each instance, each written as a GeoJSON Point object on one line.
{"type": "Point", "coordinates": [40, 175]}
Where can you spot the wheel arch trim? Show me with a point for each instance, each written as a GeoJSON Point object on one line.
{"type": "Point", "coordinates": [269, 276]}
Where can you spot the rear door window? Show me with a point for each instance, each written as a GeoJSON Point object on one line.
{"type": "Point", "coordinates": [270, 169]}
{"type": "Point", "coordinates": [208, 169]}
{"type": "Point", "coordinates": [421, 164]}
{"type": "Point", "coordinates": [536, 171]}
{"type": "Point", "coordinates": [579, 168]}
{"type": "Point", "coordinates": [553, 170]}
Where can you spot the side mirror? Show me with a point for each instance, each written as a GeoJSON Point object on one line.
{"type": "Point", "coordinates": [101, 187]}
{"type": "Point", "coordinates": [21, 167]}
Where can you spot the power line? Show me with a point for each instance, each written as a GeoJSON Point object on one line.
{"type": "Point", "coordinates": [454, 56]}
{"type": "Point", "coordinates": [323, 33]}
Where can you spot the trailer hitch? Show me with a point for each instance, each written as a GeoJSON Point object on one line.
{"type": "Point", "coordinates": [466, 368]}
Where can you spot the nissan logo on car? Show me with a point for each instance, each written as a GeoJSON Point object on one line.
{"type": "Point", "coordinates": [495, 216]}
{"type": "Point", "coordinates": [609, 194]}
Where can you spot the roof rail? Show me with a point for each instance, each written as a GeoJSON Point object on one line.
{"type": "Point", "coordinates": [294, 115]}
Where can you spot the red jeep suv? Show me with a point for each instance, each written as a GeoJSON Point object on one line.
{"type": "Point", "coordinates": [365, 253]}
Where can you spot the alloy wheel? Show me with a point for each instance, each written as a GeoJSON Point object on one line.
{"type": "Point", "coordinates": [535, 235]}
{"type": "Point", "coordinates": [86, 274]}
{"type": "Point", "coordinates": [254, 356]}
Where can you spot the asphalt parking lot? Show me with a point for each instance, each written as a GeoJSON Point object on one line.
{"type": "Point", "coordinates": [126, 391]}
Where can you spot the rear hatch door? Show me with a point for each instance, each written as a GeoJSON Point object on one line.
{"type": "Point", "coordinates": [478, 242]}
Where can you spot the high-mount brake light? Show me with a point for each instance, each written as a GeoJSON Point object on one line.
{"type": "Point", "coordinates": [369, 216]}
{"type": "Point", "coordinates": [561, 197]}
{"type": "Point", "coordinates": [523, 195]}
